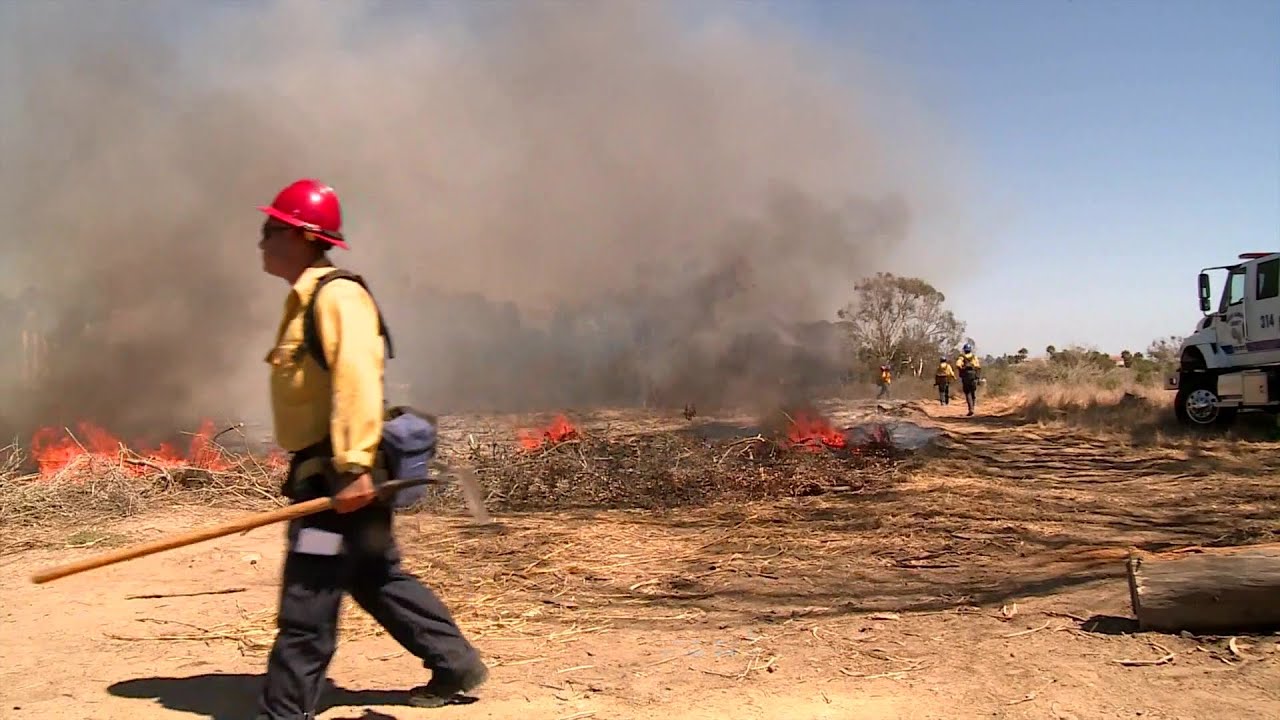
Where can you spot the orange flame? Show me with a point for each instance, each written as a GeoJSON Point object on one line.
{"type": "Point", "coordinates": [53, 450]}
{"type": "Point", "coordinates": [812, 433]}
{"type": "Point", "coordinates": [558, 431]}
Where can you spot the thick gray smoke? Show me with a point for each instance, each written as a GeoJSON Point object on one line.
{"type": "Point", "coordinates": [555, 203]}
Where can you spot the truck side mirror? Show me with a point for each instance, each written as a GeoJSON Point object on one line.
{"type": "Point", "coordinates": [1205, 292]}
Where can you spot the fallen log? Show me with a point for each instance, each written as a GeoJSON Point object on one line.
{"type": "Point", "coordinates": [1206, 590]}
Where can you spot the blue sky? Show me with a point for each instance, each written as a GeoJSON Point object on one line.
{"type": "Point", "coordinates": [1134, 143]}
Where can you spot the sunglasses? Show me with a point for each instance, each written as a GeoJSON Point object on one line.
{"type": "Point", "coordinates": [269, 230]}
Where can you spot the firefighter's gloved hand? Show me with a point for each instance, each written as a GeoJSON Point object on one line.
{"type": "Point", "coordinates": [357, 493]}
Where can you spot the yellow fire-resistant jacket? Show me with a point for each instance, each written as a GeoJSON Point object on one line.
{"type": "Point", "coordinates": [345, 403]}
{"type": "Point", "coordinates": [944, 374]}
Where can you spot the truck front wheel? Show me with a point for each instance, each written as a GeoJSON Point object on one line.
{"type": "Point", "coordinates": [1197, 405]}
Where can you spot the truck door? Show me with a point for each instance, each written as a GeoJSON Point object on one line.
{"type": "Point", "coordinates": [1231, 324]}
{"type": "Point", "coordinates": [1261, 309]}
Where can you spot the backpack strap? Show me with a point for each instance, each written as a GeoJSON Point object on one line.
{"type": "Point", "coordinates": [311, 330]}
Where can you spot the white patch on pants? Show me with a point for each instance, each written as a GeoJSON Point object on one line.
{"type": "Point", "coordinates": [317, 542]}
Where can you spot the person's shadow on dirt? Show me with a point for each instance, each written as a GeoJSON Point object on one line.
{"type": "Point", "coordinates": [234, 697]}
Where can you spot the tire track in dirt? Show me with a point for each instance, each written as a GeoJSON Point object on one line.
{"type": "Point", "coordinates": [1184, 490]}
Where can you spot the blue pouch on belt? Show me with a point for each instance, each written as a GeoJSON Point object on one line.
{"type": "Point", "coordinates": [408, 446]}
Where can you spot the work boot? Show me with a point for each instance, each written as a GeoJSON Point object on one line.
{"type": "Point", "coordinates": [444, 686]}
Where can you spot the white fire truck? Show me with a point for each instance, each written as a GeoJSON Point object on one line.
{"type": "Point", "coordinates": [1231, 363]}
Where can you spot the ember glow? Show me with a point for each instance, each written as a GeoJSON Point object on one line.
{"type": "Point", "coordinates": [54, 449]}
{"type": "Point", "coordinates": [558, 431]}
{"type": "Point", "coordinates": [812, 432]}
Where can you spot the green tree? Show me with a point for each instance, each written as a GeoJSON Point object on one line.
{"type": "Point", "coordinates": [1078, 357]}
{"type": "Point", "coordinates": [1160, 359]}
{"type": "Point", "coordinates": [900, 321]}
{"type": "Point", "coordinates": [1164, 351]}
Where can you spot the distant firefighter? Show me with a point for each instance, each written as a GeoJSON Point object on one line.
{"type": "Point", "coordinates": [970, 368]}
{"type": "Point", "coordinates": [886, 379]}
{"type": "Point", "coordinates": [943, 377]}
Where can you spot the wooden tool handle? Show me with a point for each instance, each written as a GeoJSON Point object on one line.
{"type": "Point", "coordinates": [176, 541]}
{"type": "Point", "coordinates": [250, 522]}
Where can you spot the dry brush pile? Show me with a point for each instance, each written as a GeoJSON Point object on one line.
{"type": "Point", "coordinates": [656, 470]}
{"type": "Point", "coordinates": [90, 487]}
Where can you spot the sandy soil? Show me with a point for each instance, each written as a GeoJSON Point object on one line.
{"type": "Point", "coordinates": [986, 581]}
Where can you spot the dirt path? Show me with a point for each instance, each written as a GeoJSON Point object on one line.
{"type": "Point", "coordinates": [985, 583]}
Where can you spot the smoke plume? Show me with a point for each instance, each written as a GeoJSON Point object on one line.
{"type": "Point", "coordinates": [556, 204]}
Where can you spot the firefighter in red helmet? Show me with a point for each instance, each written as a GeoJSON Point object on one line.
{"type": "Point", "coordinates": [327, 404]}
{"type": "Point", "coordinates": [303, 222]}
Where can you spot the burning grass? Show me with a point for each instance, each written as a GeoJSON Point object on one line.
{"type": "Point", "coordinates": [570, 468]}
{"type": "Point", "coordinates": [88, 478]}
{"type": "Point", "coordinates": [65, 482]}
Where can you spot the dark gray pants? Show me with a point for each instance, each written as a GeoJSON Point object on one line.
{"type": "Point", "coordinates": [944, 393]}
{"type": "Point", "coordinates": [310, 598]}
{"type": "Point", "coordinates": [971, 394]}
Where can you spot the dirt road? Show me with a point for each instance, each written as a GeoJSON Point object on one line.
{"type": "Point", "coordinates": [985, 582]}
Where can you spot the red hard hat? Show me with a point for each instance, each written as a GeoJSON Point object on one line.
{"type": "Point", "coordinates": [310, 205]}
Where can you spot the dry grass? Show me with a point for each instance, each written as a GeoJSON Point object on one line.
{"type": "Point", "coordinates": [94, 490]}
{"type": "Point", "coordinates": [643, 469]}
{"type": "Point", "coordinates": [1006, 512]}
{"type": "Point", "coordinates": [997, 522]}
{"type": "Point", "coordinates": [1090, 407]}
{"type": "Point", "coordinates": [1142, 415]}
{"type": "Point", "coordinates": [669, 469]}
{"type": "Point", "coordinates": [553, 578]}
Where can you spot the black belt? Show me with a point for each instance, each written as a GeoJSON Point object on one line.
{"type": "Point", "coordinates": [367, 531]}
{"type": "Point", "coordinates": [311, 472]}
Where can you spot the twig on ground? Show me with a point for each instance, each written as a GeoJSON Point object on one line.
{"type": "Point", "coordinates": [892, 675]}
{"type": "Point", "coordinates": [670, 658]}
{"type": "Point", "coordinates": [1163, 660]}
{"type": "Point", "coordinates": [1031, 694]}
{"type": "Point", "coordinates": [1067, 615]}
{"type": "Point", "coordinates": [526, 661]}
{"type": "Point", "coordinates": [156, 596]}
{"type": "Point", "coordinates": [1028, 632]}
